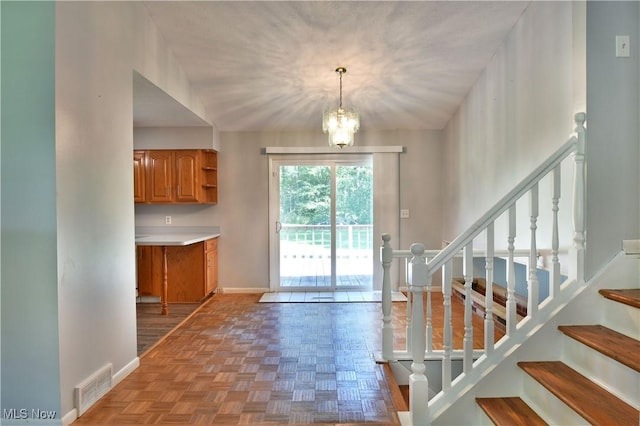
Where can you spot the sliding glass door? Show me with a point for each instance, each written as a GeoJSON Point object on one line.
{"type": "Point", "coordinates": [322, 230]}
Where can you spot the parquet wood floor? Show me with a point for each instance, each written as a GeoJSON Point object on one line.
{"type": "Point", "coordinates": [237, 361]}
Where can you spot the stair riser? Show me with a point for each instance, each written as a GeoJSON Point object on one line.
{"type": "Point", "coordinates": [603, 370]}
{"type": "Point", "coordinates": [622, 318]}
{"type": "Point", "coordinates": [550, 408]}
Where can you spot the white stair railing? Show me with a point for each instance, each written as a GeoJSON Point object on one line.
{"type": "Point", "coordinates": [423, 264]}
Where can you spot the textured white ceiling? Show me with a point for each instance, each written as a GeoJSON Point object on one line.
{"type": "Point", "coordinates": [270, 65]}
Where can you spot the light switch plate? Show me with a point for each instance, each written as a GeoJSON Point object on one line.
{"type": "Point", "coordinates": [622, 46]}
{"type": "Point", "coordinates": [404, 214]}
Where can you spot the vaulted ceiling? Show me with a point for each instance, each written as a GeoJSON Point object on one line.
{"type": "Point", "coordinates": [271, 65]}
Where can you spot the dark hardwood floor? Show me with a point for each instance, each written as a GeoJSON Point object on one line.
{"type": "Point", "coordinates": [237, 361]}
{"type": "Point", "coordinates": [152, 327]}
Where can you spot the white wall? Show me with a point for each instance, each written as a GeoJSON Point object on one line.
{"type": "Point", "coordinates": [613, 141]}
{"type": "Point", "coordinates": [29, 293]}
{"type": "Point", "coordinates": [244, 199]}
{"type": "Point", "coordinates": [98, 45]}
{"type": "Point", "coordinates": [519, 111]}
{"type": "Point", "coordinates": [559, 58]}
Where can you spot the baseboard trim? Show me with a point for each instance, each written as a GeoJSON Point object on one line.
{"type": "Point", "coordinates": [125, 371]}
{"type": "Point", "coordinates": [248, 290]}
{"type": "Point", "coordinates": [70, 417]}
{"type": "Point", "coordinates": [631, 246]}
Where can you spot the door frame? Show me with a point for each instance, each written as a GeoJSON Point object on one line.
{"type": "Point", "coordinates": [275, 161]}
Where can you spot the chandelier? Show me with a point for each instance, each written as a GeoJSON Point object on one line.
{"type": "Point", "coordinates": [341, 124]}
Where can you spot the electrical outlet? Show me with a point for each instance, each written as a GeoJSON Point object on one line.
{"type": "Point", "coordinates": [404, 214]}
{"type": "Point", "coordinates": [167, 220]}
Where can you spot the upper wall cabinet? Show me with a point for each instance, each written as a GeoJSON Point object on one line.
{"type": "Point", "coordinates": [183, 176]}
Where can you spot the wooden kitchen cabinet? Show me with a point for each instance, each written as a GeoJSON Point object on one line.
{"type": "Point", "coordinates": [144, 270]}
{"type": "Point", "coordinates": [139, 181]}
{"type": "Point", "coordinates": [209, 183]}
{"type": "Point", "coordinates": [159, 176]}
{"type": "Point", "coordinates": [192, 271]}
{"type": "Point", "coordinates": [211, 272]}
{"type": "Point", "coordinates": [185, 176]}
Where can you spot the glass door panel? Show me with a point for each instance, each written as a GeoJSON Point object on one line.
{"type": "Point", "coordinates": [305, 226]}
{"type": "Point", "coordinates": [354, 226]}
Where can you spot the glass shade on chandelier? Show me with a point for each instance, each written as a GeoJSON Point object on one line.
{"type": "Point", "coordinates": [340, 124]}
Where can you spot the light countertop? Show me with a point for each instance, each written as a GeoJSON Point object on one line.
{"type": "Point", "coordinates": [174, 235]}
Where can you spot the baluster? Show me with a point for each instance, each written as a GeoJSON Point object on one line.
{"type": "Point", "coordinates": [429, 326]}
{"type": "Point", "coordinates": [409, 306]}
{"type": "Point", "coordinates": [488, 317]}
{"type": "Point", "coordinates": [467, 268]}
{"type": "Point", "coordinates": [418, 382]}
{"type": "Point", "coordinates": [512, 319]}
{"type": "Point", "coordinates": [532, 303]}
{"type": "Point", "coordinates": [554, 284]}
{"type": "Point", "coordinates": [578, 199]}
{"type": "Point", "coordinates": [447, 325]}
{"type": "Point", "coordinates": [386, 254]}
{"type": "Point", "coordinates": [350, 237]}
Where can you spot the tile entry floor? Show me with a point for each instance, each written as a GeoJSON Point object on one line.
{"type": "Point", "coordinates": [329, 296]}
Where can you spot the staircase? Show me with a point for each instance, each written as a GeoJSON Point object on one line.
{"type": "Point", "coordinates": [595, 381]}
{"type": "Point", "coordinates": [545, 364]}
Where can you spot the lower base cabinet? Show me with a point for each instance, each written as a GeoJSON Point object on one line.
{"type": "Point", "coordinates": [192, 271]}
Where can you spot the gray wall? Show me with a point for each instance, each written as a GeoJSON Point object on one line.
{"type": "Point", "coordinates": [613, 144]}
{"type": "Point", "coordinates": [29, 293]}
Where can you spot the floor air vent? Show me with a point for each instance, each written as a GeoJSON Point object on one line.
{"type": "Point", "coordinates": [93, 388]}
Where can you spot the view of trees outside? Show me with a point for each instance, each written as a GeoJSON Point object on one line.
{"type": "Point", "coordinates": [305, 199]}
{"type": "Point", "coordinates": [305, 195]}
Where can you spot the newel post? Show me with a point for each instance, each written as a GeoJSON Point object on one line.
{"type": "Point", "coordinates": [419, 278]}
{"type": "Point", "coordinates": [579, 198]}
{"type": "Point", "coordinates": [386, 256]}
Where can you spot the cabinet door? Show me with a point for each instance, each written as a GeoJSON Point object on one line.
{"type": "Point", "coordinates": [186, 273]}
{"type": "Point", "coordinates": [139, 181]}
{"type": "Point", "coordinates": [159, 176]}
{"type": "Point", "coordinates": [211, 278]}
{"type": "Point", "coordinates": [187, 176]}
{"type": "Point", "coordinates": [144, 265]}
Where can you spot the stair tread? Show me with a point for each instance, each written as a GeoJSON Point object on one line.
{"type": "Point", "coordinates": [510, 411]}
{"type": "Point", "coordinates": [589, 400]}
{"type": "Point", "coordinates": [629, 297]}
{"type": "Point", "coordinates": [615, 345]}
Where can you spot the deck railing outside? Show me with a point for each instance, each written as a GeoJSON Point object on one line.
{"type": "Point", "coordinates": [306, 250]}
